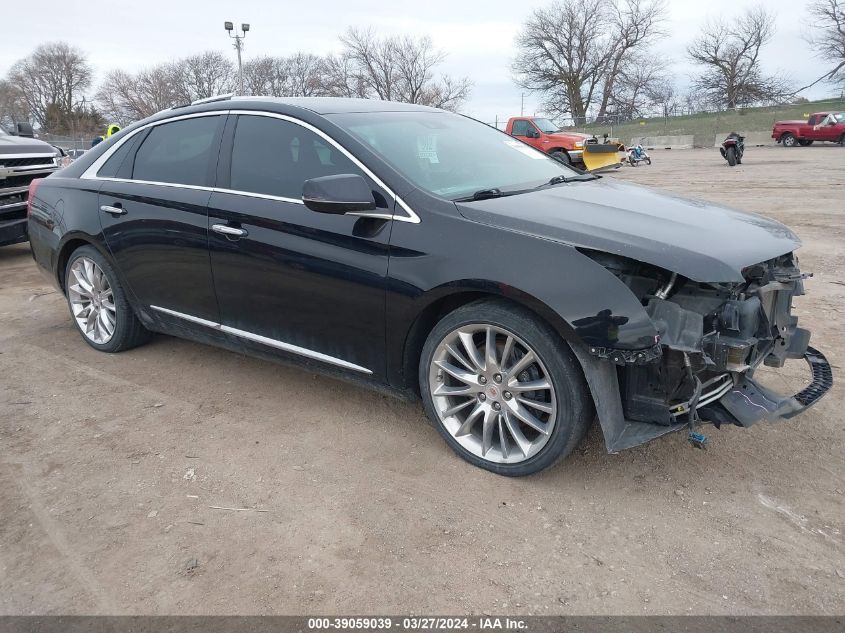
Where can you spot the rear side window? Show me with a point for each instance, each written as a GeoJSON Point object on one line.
{"type": "Point", "coordinates": [178, 152]}
{"type": "Point", "coordinates": [117, 166]}
{"type": "Point", "coordinates": [275, 157]}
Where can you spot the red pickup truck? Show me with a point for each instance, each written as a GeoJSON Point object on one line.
{"type": "Point", "coordinates": [548, 137]}
{"type": "Point", "coordinates": [820, 126]}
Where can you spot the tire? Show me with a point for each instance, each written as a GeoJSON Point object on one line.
{"type": "Point", "coordinates": [648, 160]}
{"type": "Point", "coordinates": [561, 156]}
{"type": "Point", "coordinates": [788, 140]}
{"type": "Point", "coordinates": [730, 155]}
{"type": "Point", "coordinates": [842, 140]}
{"type": "Point", "coordinates": [116, 328]}
{"type": "Point", "coordinates": [513, 446]}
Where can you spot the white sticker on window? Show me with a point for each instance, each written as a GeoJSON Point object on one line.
{"type": "Point", "coordinates": [525, 149]}
{"type": "Point", "coordinates": [427, 148]}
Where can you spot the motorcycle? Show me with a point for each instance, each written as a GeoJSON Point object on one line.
{"type": "Point", "coordinates": [732, 149]}
{"type": "Point", "coordinates": [637, 155]}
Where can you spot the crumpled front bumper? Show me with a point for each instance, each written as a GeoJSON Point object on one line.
{"type": "Point", "coordinates": [749, 402]}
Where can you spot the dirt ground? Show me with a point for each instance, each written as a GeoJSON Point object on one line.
{"type": "Point", "coordinates": [109, 465]}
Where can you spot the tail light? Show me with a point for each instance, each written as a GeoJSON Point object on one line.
{"type": "Point", "coordinates": [33, 187]}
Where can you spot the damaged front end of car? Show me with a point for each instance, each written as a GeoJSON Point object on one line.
{"type": "Point", "coordinates": [711, 339]}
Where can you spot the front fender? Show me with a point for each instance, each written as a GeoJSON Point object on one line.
{"type": "Point", "coordinates": [446, 254]}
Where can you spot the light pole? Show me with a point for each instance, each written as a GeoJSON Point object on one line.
{"type": "Point", "coordinates": [239, 44]}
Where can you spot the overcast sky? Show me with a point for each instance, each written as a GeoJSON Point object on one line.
{"type": "Point", "coordinates": [478, 36]}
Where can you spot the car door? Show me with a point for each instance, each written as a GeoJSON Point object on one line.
{"type": "Point", "coordinates": [524, 130]}
{"type": "Point", "coordinates": [153, 210]}
{"type": "Point", "coordinates": [288, 278]}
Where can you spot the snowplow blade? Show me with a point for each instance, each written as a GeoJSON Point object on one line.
{"type": "Point", "coordinates": [600, 156]}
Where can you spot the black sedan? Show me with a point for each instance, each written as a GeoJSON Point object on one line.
{"type": "Point", "coordinates": [427, 254]}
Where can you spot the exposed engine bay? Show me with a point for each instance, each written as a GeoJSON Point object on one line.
{"type": "Point", "coordinates": [712, 337]}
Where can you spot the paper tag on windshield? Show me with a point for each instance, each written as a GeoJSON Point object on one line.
{"type": "Point", "coordinates": [525, 149]}
{"type": "Point", "coordinates": [427, 148]}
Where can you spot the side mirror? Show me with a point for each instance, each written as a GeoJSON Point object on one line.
{"type": "Point", "coordinates": [24, 129]}
{"type": "Point", "coordinates": [532, 133]}
{"type": "Point", "coordinates": [343, 193]}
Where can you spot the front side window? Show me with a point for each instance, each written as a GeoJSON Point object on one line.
{"type": "Point", "coordinates": [275, 157]}
{"type": "Point", "coordinates": [178, 152]}
{"type": "Point", "coordinates": [520, 128]}
{"type": "Point", "coordinates": [450, 155]}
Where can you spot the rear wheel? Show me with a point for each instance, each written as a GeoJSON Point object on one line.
{"type": "Point", "coordinates": [98, 303]}
{"type": "Point", "coordinates": [730, 155]}
{"type": "Point", "coordinates": [561, 156]}
{"type": "Point", "coordinates": [502, 388]}
{"type": "Point", "coordinates": [788, 140]}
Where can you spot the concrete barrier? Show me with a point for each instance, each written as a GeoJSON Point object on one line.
{"type": "Point", "coordinates": [752, 139]}
{"type": "Point", "coordinates": [665, 142]}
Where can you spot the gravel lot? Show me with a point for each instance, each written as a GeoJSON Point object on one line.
{"type": "Point", "coordinates": [110, 463]}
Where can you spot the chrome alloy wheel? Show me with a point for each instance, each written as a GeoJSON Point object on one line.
{"type": "Point", "coordinates": [492, 393]}
{"type": "Point", "coordinates": [91, 300]}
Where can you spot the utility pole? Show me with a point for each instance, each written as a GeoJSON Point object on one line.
{"type": "Point", "coordinates": [522, 104]}
{"type": "Point", "coordinates": [239, 44]}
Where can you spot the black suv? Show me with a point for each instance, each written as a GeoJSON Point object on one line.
{"type": "Point", "coordinates": [428, 254]}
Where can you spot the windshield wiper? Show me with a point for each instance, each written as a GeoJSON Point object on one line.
{"type": "Point", "coordinates": [483, 194]}
{"type": "Point", "coordinates": [557, 180]}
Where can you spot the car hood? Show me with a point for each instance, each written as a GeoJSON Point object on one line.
{"type": "Point", "coordinates": [23, 145]}
{"type": "Point", "coordinates": [572, 136]}
{"type": "Point", "coordinates": [699, 240]}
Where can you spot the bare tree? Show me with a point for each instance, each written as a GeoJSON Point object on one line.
{"type": "Point", "coordinates": [635, 23]}
{"type": "Point", "coordinates": [266, 76]}
{"type": "Point", "coordinates": [828, 38]}
{"type": "Point", "coordinates": [563, 53]}
{"type": "Point", "coordinates": [396, 69]}
{"type": "Point", "coordinates": [342, 79]}
{"type": "Point", "coordinates": [306, 75]}
{"type": "Point", "coordinates": [13, 107]}
{"type": "Point", "coordinates": [125, 98]}
{"type": "Point", "coordinates": [730, 55]}
{"type": "Point", "coordinates": [54, 77]}
{"type": "Point", "coordinates": [641, 85]}
{"type": "Point", "coordinates": [204, 75]}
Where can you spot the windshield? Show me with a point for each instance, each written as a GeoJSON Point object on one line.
{"type": "Point", "coordinates": [546, 126]}
{"type": "Point", "coordinates": [450, 155]}
{"type": "Point", "coordinates": [839, 117]}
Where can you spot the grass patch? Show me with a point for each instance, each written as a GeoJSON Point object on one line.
{"type": "Point", "coordinates": [704, 126]}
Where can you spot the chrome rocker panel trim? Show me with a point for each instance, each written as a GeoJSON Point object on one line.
{"type": "Point", "coordinates": [287, 347]}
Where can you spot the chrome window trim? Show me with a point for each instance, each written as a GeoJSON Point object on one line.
{"type": "Point", "coordinates": [253, 194]}
{"type": "Point", "coordinates": [412, 217]}
{"type": "Point", "coordinates": [93, 168]}
{"type": "Point", "coordinates": [271, 342]}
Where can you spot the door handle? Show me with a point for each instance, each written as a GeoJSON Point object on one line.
{"type": "Point", "coordinates": [229, 231]}
{"type": "Point", "coordinates": [115, 210]}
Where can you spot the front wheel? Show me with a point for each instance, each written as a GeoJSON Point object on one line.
{"type": "Point", "coordinates": [788, 140]}
{"type": "Point", "coordinates": [502, 388]}
{"type": "Point", "coordinates": [562, 157]}
{"type": "Point", "coordinates": [648, 160]}
{"type": "Point", "coordinates": [730, 154]}
{"type": "Point", "coordinates": [98, 303]}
